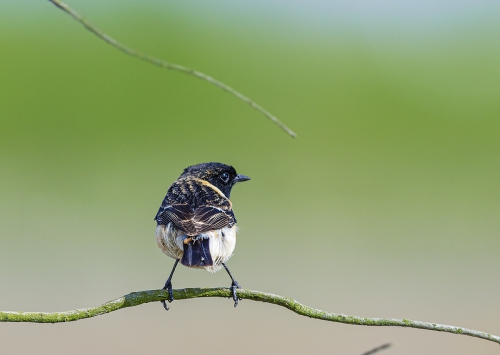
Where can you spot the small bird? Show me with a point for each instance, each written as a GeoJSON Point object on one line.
{"type": "Point", "coordinates": [196, 223]}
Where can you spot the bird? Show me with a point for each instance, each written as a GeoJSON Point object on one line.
{"type": "Point", "coordinates": [195, 223]}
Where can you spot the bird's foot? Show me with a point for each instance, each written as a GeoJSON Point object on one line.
{"type": "Point", "coordinates": [168, 287]}
{"type": "Point", "coordinates": [233, 288]}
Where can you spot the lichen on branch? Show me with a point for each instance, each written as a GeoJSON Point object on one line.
{"type": "Point", "coordinates": [137, 298]}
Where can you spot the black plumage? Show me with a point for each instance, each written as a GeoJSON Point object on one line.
{"type": "Point", "coordinates": [195, 221]}
{"type": "Point", "coordinates": [197, 212]}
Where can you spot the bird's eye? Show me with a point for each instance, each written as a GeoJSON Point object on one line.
{"type": "Point", "coordinates": [224, 177]}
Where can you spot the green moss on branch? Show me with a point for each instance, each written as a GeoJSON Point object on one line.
{"type": "Point", "coordinates": [137, 298]}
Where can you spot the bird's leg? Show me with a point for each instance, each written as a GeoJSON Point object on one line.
{"type": "Point", "coordinates": [233, 287]}
{"type": "Point", "coordinates": [168, 286]}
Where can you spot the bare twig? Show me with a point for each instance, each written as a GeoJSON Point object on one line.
{"type": "Point", "coordinates": [167, 65]}
{"type": "Point", "coordinates": [137, 298]}
{"type": "Point", "coordinates": [377, 349]}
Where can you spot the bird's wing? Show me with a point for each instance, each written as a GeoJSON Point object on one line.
{"type": "Point", "coordinates": [210, 218]}
{"type": "Point", "coordinates": [197, 221]}
{"type": "Point", "coordinates": [180, 216]}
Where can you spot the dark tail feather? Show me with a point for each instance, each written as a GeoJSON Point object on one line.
{"type": "Point", "coordinates": [197, 253]}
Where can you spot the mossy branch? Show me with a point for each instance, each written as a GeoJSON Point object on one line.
{"type": "Point", "coordinates": [137, 298]}
{"type": "Point", "coordinates": [166, 65]}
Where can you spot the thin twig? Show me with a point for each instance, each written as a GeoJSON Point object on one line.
{"type": "Point", "coordinates": [377, 349]}
{"type": "Point", "coordinates": [137, 298]}
{"type": "Point", "coordinates": [167, 65]}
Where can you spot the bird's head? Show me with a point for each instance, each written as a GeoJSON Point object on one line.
{"type": "Point", "coordinates": [220, 175]}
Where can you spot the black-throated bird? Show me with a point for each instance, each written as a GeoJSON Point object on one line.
{"type": "Point", "coordinates": [196, 223]}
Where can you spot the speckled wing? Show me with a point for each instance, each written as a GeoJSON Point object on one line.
{"type": "Point", "coordinates": [195, 221]}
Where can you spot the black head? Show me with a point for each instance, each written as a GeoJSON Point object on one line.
{"type": "Point", "coordinates": [220, 175]}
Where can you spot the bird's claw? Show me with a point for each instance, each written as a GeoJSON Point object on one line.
{"type": "Point", "coordinates": [168, 287]}
{"type": "Point", "coordinates": [235, 297]}
{"type": "Point", "coordinates": [164, 305]}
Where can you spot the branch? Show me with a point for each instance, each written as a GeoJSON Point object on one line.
{"type": "Point", "coordinates": [377, 349]}
{"type": "Point", "coordinates": [137, 298]}
{"type": "Point", "coordinates": [167, 65]}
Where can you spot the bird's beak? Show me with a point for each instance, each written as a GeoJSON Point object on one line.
{"type": "Point", "coordinates": [240, 178]}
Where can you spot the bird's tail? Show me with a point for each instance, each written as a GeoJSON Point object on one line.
{"type": "Point", "coordinates": [197, 253]}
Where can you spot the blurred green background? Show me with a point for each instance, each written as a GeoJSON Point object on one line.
{"type": "Point", "coordinates": [386, 205]}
